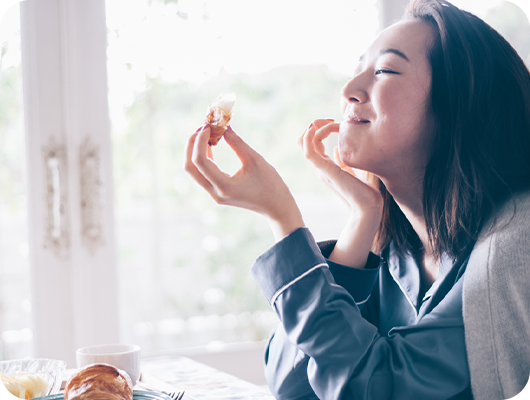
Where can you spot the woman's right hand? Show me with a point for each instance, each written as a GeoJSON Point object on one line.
{"type": "Point", "coordinates": [255, 186]}
{"type": "Point", "coordinates": [363, 199]}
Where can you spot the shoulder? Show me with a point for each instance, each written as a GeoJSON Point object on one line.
{"type": "Point", "coordinates": [512, 215]}
{"type": "Point", "coordinates": [502, 252]}
{"type": "Point", "coordinates": [505, 239]}
{"type": "Point", "coordinates": [496, 297]}
{"type": "Point", "coordinates": [506, 235]}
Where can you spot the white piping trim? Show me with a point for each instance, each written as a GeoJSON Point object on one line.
{"type": "Point", "coordinates": [364, 301]}
{"type": "Point", "coordinates": [283, 288]}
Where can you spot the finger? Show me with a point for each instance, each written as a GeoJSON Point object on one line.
{"type": "Point", "coordinates": [200, 159]}
{"type": "Point", "coordinates": [188, 163]}
{"type": "Point", "coordinates": [210, 152]}
{"type": "Point", "coordinates": [314, 145]}
{"type": "Point", "coordinates": [240, 147]}
{"type": "Point", "coordinates": [319, 123]}
{"type": "Point", "coordinates": [307, 142]}
{"type": "Point", "coordinates": [320, 161]}
{"type": "Point", "coordinates": [321, 134]}
{"type": "Point", "coordinates": [326, 130]}
{"type": "Point", "coordinates": [336, 155]}
{"type": "Point", "coordinates": [300, 140]}
{"type": "Point", "coordinates": [373, 180]}
{"type": "Point", "coordinates": [190, 167]}
{"type": "Point", "coordinates": [341, 164]}
{"type": "Point", "coordinates": [360, 174]}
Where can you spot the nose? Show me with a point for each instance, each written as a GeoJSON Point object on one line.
{"type": "Point", "coordinates": [353, 92]}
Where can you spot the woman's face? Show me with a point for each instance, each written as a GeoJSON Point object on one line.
{"type": "Point", "coordinates": [387, 127]}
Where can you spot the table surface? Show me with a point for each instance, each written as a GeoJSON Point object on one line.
{"type": "Point", "coordinates": [200, 381]}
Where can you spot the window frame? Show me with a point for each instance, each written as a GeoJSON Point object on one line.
{"type": "Point", "coordinates": [74, 281]}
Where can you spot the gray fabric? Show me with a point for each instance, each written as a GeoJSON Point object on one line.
{"type": "Point", "coordinates": [496, 305]}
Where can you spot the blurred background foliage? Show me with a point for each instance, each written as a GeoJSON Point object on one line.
{"type": "Point", "coordinates": [185, 260]}
{"type": "Point", "coordinates": [15, 304]}
{"type": "Point", "coordinates": [202, 252]}
{"type": "Point", "coordinates": [11, 153]}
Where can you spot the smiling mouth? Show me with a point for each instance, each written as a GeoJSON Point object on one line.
{"type": "Point", "coordinates": [355, 119]}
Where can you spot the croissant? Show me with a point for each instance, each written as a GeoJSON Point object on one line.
{"type": "Point", "coordinates": [99, 381]}
{"type": "Point", "coordinates": [218, 117]}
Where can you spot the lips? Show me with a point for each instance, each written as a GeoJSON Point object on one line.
{"type": "Point", "coordinates": [356, 119]}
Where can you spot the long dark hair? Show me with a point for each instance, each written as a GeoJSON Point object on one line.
{"type": "Point", "coordinates": [481, 103]}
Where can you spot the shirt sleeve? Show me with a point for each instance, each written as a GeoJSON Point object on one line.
{"type": "Point", "coordinates": [325, 345]}
{"type": "Point", "coordinates": [301, 246]}
{"type": "Point", "coordinates": [358, 282]}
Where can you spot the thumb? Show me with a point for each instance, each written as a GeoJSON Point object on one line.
{"type": "Point", "coordinates": [337, 158]}
{"type": "Point", "coordinates": [341, 164]}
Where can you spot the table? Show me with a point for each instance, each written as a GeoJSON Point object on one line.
{"type": "Point", "coordinates": [200, 381]}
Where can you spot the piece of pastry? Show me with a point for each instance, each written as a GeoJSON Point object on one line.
{"type": "Point", "coordinates": [218, 117]}
{"type": "Point", "coordinates": [99, 381]}
{"type": "Point", "coordinates": [24, 385]}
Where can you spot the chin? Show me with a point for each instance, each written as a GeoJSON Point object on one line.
{"type": "Point", "coordinates": [346, 153]}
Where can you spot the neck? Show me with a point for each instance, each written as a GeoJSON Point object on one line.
{"type": "Point", "coordinates": [409, 198]}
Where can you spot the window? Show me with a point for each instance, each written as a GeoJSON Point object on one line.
{"type": "Point", "coordinates": [184, 261]}
{"type": "Point", "coordinates": [15, 293]}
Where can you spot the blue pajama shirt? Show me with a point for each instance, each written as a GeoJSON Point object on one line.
{"type": "Point", "coordinates": [349, 333]}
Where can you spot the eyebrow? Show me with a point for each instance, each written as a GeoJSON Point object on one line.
{"type": "Point", "coordinates": [386, 51]}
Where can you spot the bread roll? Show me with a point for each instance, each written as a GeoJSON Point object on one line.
{"type": "Point", "coordinates": [97, 382]}
{"type": "Point", "coordinates": [218, 117]}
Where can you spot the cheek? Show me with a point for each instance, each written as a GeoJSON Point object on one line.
{"type": "Point", "coordinates": [402, 116]}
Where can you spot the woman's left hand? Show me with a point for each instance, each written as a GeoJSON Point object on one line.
{"type": "Point", "coordinates": [360, 196]}
{"type": "Point", "coordinates": [363, 199]}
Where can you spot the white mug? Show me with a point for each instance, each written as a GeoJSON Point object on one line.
{"type": "Point", "coordinates": [123, 356]}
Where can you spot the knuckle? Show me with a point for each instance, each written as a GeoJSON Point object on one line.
{"type": "Point", "coordinates": [220, 198]}
{"type": "Point", "coordinates": [189, 167]}
{"type": "Point", "coordinates": [197, 160]}
{"type": "Point", "coordinates": [188, 163]}
{"type": "Point", "coordinates": [217, 198]}
{"type": "Point", "coordinates": [221, 201]}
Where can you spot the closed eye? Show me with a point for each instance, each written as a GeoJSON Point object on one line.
{"type": "Point", "coordinates": [385, 71]}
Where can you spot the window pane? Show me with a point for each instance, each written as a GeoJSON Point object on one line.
{"type": "Point", "coordinates": [184, 261]}
{"type": "Point", "coordinates": [15, 304]}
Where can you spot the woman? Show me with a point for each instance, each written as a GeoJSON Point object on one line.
{"type": "Point", "coordinates": [438, 112]}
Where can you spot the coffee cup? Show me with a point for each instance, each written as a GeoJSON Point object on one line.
{"type": "Point", "coordinates": [123, 356]}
